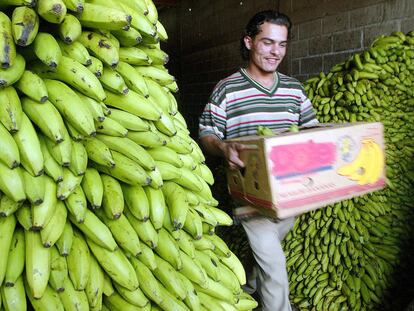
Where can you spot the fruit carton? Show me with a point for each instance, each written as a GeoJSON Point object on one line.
{"type": "Point", "coordinates": [296, 172]}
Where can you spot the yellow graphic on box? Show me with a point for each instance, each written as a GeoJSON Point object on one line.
{"type": "Point", "coordinates": [368, 165]}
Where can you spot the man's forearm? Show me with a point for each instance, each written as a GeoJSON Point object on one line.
{"type": "Point", "coordinates": [213, 145]}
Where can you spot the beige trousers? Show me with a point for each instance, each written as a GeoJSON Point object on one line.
{"type": "Point", "coordinates": [265, 237]}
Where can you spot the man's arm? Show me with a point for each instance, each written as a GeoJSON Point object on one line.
{"type": "Point", "coordinates": [227, 150]}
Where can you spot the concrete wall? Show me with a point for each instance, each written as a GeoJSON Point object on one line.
{"type": "Point", "coordinates": [204, 38]}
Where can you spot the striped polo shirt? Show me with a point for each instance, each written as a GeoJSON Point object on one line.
{"type": "Point", "coordinates": [239, 104]}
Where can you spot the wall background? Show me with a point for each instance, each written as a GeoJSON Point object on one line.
{"type": "Point", "coordinates": [204, 38]}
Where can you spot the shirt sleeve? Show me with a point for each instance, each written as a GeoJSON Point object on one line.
{"type": "Point", "coordinates": [307, 113]}
{"type": "Point", "coordinates": [213, 117]}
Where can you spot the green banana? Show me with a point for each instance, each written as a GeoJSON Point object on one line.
{"type": "Point", "coordinates": [32, 86]}
{"type": "Point", "coordinates": [58, 270]}
{"type": "Point", "coordinates": [37, 264]}
{"type": "Point", "coordinates": [52, 231]}
{"type": "Point", "coordinates": [76, 51]}
{"type": "Point", "coordinates": [132, 78]}
{"type": "Point", "coordinates": [25, 25]}
{"type": "Point", "coordinates": [9, 154]}
{"type": "Point", "coordinates": [34, 187]}
{"type": "Point", "coordinates": [101, 47]}
{"type": "Point", "coordinates": [70, 29]}
{"type": "Point", "coordinates": [14, 297]}
{"type": "Point", "coordinates": [92, 187]}
{"type": "Point", "coordinates": [27, 141]}
{"type": "Point", "coordinates": [95, 284]}
{"type": "Point", "coordinates": [70, 106]}
{"type": "Point", "coordinates": [10, 110]}
{"type": "Point", "coordinates": [103, 17]}
{"type": "Point", "coordinates": [53, 11]}
{"type": "Point", "coordinates": [7, 46]}
{"type": "Point", "coordinates": [7, 227]}
{"type": "Point", "coordinates": [78, 261]}
{"type": "Point", "coordinates": [127, 38]}
{"type": "Point", "coordinates": [64, 243]}
{"type": "Point", "coordinates": [98, 152]}
{"type": "Point", "coordinates": [134, 103]}
{"type": "Point", "coordinates": [116, 265]}
{"type": "Point", "coordinates": [113, 198]}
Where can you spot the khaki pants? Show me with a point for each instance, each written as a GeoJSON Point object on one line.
{"type": "Point", "coordinates": [265, 236]}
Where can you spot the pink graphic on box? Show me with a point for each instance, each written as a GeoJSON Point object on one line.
{"type": "Point", "coordinates": [301, 158]}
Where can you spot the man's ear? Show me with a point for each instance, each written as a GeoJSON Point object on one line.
{"type": "Point", "coordinates": [248, 42]}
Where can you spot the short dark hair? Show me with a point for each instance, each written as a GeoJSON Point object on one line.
{"type": "Point", "coordinates": [253, 26]}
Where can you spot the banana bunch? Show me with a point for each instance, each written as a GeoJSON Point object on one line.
{"type": "Point", "coordinates": [348, 256]}
{"type": "Point", "coordinates": [105, 199]}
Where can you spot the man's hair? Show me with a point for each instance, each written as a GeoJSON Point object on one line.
{"type": "Point", "coordinates": [253, 26]}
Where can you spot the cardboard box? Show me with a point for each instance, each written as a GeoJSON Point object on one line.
{"type": "Point", "coordinates": [292, 173]}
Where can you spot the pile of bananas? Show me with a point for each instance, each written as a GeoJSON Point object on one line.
{"type": "Point", "coordinates": [347, 255]}
{"type": "Point", "coordinates": [105, 200]}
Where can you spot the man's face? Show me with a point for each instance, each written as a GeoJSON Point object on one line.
{"type": "Point", "coordinates": [268, 47]}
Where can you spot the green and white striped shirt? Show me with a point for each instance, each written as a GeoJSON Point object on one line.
{"type": "Point", "coordinates": [238, 105]}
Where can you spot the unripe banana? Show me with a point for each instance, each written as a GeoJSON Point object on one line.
{"type": "Point", "coordinates": [69, 29]}
{"type": "Point", "coordinates": [96, 67]}
{"type": "Point", "coordinates": [78, 261]}
{"type": "Point", "coordinates": [52, 231]}
{"type": "Point", "coordinates": [29, 147]}
{"type": "Point", "coordinates": [122, 232]}
{"type": "Point", "coordinates": [70, 106]}
{"type": "Point", "coordinates": [14, 297]}
{"type": "Point", "coordinates": [94, 107]}
{"type": "Point", "coordinates": [103, 17]}
{"type": "Point", "coordinates": [158, 56]}
{"type": "Point", "coordinates": [176, 200]}
{"type": "Point", "coordinates": [147, 139]}
{"type": "Point", "coordinates": [32, 86]}
{"type": "Point", "coordinates": [101, 47]}
{"type": "Point", "coordinates": [144, 229]}
{"type": "Point", "coordinates": [73, 299]}
{"type": "Point", "coordinates": [192, 270]}
{"type": "Point", "coordinates": [113, 199]}
{"type": "Point", "coordinates": [168, 249]}
{"type": "Point", "coordinates": [76, 205]}
{"type": "Point", "coordinates": [169, 277]}
{"type": "Point", "coordinates": [9, 153]}
{"type": "Point", "coordinates": [68, 185]}
{"type": "Point", "coordinates": [132, 78]}
{"type": "Point", "coordinates": [37, 265]}
{"type": "Point", "coordinates": [15, 258]}
{"type": "Point", "coordinates": [46, 117]}
{"type": "Point", "coordinates": [134, 103]}
{"type": "Point", "coordinates": [75, 5]}
{"type": "Point", "coordinates": [79, 159]}
{"type": "Point", "coordinates": [49, 300]}
{"type": "Point", "coordinates": [126, 170]}
{"type": "Point", "coordinates": [74, 74]}
{"type": "Point", "coordinates": [157, 206]}
{"type": "Point", "coordinates": [53, 11]}
{"type": "Point", "coordinates": [150, 287]}
{"type": "Point", "coordinates": [7, 227]}
{"type": "Point", "coordinates": [135, 297]}
{"type": "Point", "coordinates": [24, 216]}
{"type": "Point", "coordinates": [10, 110]}
{"type": "Point", "coordinates": [13, 73]}
{"type": "Point", "coordinates": [43, 212]}
{"type": "Point", "coordinates": [25, 24]}
{"type": "Point", "coordinates": [95, 284]}
{"type": "Point", "coordinates": [76, 51]}
{"type": "Point", "coordinates": [129, 120]}
{"type": "Point", "coordinates": [193, 224]}
{"type": "Point", "coordinates": [159, 75]}
{"type": "Point", "coordinates": [127, 38]}
{"type": "Point", "coordinates": [64, 243]}
{"type": "Point", "coordinates": [34, 187]}
{"type": "Point", "coordinates": [52, 55]}
{"type": "Point", "coordinates": [99, 152]}
{"type": "Point", "coordinates": [7, 46]}
{"type": "Point", "coordinates": [110, 127]}
{"type": "Point", "coordinates": [11, 183]}
{"type": "Point", "coordinates": [134, 56]}
{"type": "Point", "coordinates": [137, 201]}
{"type": "Point", "coordinates": [116, 265]}
{"type": "Point", "coordinates": [147, 257]}
{"type": "Point", "coordinates": [130, 149]}
{"type": "Point", "coordinates": [92, 187]}
{"type": "Point", "coordinates": [58, 270]}
{"type": "Point", "coordinates": [52, 168]}
{"type": "Point", "coordinates": [162, 33]}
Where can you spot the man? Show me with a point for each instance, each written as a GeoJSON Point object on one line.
{"type": "Point", "coordinates": [253, 96]}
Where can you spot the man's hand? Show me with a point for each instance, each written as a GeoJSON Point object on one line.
{"type": "Point", "coordinates": [228, 150]}
{"type": "Point", "coordinates": [231, 152]}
